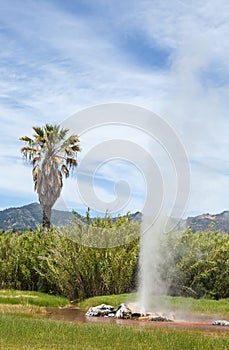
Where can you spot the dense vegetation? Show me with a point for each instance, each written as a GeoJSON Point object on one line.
{"type": "Point", "coordinates": [193, 264]}
{"type": "Point", "coordinates": [197, 264]}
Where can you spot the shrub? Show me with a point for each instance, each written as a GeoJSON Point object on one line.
{"type": "Point", "coordinates": [198, 264]}
{"type": "Point", "coordinates": [193, 264]}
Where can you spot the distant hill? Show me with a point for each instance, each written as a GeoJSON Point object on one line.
{"type": "Point", "coordinates": [208, 222]}
{"type": "Point", "coordinates": [30, 215]}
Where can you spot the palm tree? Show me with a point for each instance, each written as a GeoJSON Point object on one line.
{"type": "Point", "coordinates": [52, 155]}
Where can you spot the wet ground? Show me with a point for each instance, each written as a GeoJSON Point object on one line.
{"type": "Point", "coordinates": [76, 315]}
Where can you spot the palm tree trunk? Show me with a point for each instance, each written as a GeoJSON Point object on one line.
{"type": "Point", "coordinates": [46, 217]}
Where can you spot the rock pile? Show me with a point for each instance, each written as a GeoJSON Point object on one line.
{"type": "Point", "coordinates": [221, 323]}
{"type": "Point", "coordinates": [125, 311]}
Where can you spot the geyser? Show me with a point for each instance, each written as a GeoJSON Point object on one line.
{"type": "Point", "coordinates": [141, 137]}
{"type": "Point", "coordinates": [150, 283]}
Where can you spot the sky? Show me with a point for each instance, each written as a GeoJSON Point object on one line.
{"type": "Point", "coordinates": [169, 57]}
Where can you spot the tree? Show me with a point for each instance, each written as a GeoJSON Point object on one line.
{"type": "Point", "coordinates": [52, 155]}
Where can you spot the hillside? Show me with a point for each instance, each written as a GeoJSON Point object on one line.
{"type": "Point", "coordinates": [208, 222]}
{"type": "Point", "coordinates": [31, 215]}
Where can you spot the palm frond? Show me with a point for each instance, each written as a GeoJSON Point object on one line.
{"type": "Point", "coordinates": [26, 139]}
{"type": "Point", "coordinates": [60, 179]}
{"type": "Point", "coordinates": [65, 170]}
{"type": "Point", "coordinates": [73, 139]}
{"type": "Point", "coordinates": [69, 142]}
{"type": "Point", "coordinates": [49, 127]}
{"type": "Point", "coordinates": [69, 151]}
{"type": "Point", "coordinates": [71, 162]}
{"type": "Point", "coordinates": [51, 133]}
{"type": "Point", "coordinates": [63, 133]}
{"type": "Point", "coordinates": [35, 159]}
{"type": "Point", "coordinates": [59, 159]}
{"type": "Point", "coordinates": [36, 170]}
{"type": "Point", "coordinates": [39, 131]}
{"type": "Point", "coordinates": [28, 149]}
{"type": "Point", "coordinates": [76, 148]}
{"type": "Point", "coordinates": [29, 152]}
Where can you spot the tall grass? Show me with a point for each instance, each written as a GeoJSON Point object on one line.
{"type": "Point", "coordinates": [58, 265]}
{"type": "Point", "coordinates": [193, 265]}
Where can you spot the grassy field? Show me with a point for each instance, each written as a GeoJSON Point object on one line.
{"type": "Point", "coordinates": [31, 298]}
{"type": "Point", "coordinates": [22, 333]}
{"type": "Point", "coordinates": [23, 327]}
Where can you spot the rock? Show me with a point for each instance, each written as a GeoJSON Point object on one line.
{"type": "Point", "coordinates": [123, 311]}
{"type": "Point", "coordinates": [127, 311]}
{"type": "Point", "coordinates": [160, 318]}
{"type": "Point", "coordinates": [156, 317]}
{"type": "Point", "coordinates": [101, 310]}
{"type": "Point", "coordinates": [221, 323]}
{"type": "Point", "coordinates": [143, 318]}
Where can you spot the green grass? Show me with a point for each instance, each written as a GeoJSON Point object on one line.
{"type": "Point", "coordinates": [31, 298]}
{"type": "Point", "coordinates": [114, 300]}
{"type": "Point", "coordinates": [21, 327]}
{"type": "Point", "coordinates": [23, 333]}
{"type": "Point", "coordinates": [22, 309]}
{"type": "Point", "coordinates": [196, 306]}
{"type": "Point", "coordinates": [203, 306]}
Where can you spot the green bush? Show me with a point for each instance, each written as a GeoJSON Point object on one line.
{"type": "Point", "coordinates": [197, 264]}
{"type": "Point", "coordinates": [78, 271]}
{"type": "Point", "coordinates": [194, 265]}
{"type": "Point", "coordinates": [51, 262]}
{"type": "Point", "coordinates": [19, 259]}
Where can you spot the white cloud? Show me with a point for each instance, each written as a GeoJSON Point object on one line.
{"type": "Point", "coordinates": [17, 177]}
{"type": "Point", "coordinates": [54, 62]}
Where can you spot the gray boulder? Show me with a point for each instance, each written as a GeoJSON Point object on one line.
{"type": "Point", "coordinates": [101, 310]}
{"type": "Point", "coordinates": [123, 311]}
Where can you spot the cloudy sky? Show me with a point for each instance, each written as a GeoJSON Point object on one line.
{"type": "Point", "coordinates": [170, 57]}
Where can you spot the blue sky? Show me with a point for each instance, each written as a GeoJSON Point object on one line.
{"type": "Point", "coordinates": [171, 57]}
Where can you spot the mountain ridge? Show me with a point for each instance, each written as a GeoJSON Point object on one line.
{"type": "Point", "coordinates": [30, 215]}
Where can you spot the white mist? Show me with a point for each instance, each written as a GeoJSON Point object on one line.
{"type": "Point", "coordinates": [150, 282]}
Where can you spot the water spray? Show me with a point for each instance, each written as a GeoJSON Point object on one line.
{"type": "Point", "coordinates": [140, 137]}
